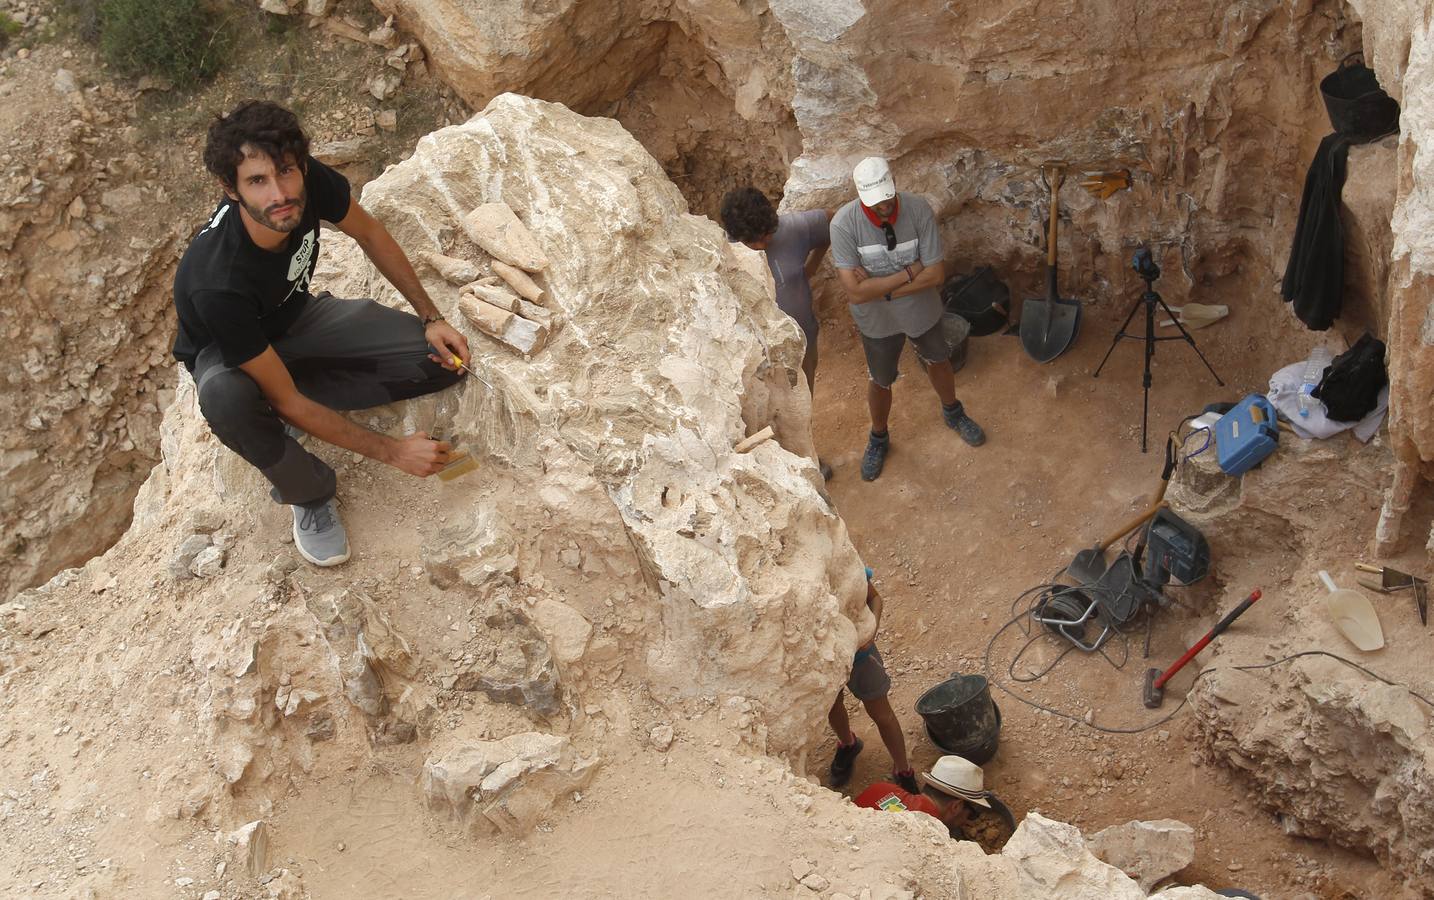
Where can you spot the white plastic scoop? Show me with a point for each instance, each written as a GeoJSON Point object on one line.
{"type": "Point", "coordinates": [1353, 615]}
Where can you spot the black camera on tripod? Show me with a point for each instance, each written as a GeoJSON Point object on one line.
{"type": "Point", "coordinates": [1144, 265]}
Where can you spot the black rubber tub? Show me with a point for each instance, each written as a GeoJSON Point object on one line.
{"type": "Point", "coordinates": [961, 718]}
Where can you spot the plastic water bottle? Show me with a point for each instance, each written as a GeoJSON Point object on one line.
{"type": "Point", "coordinates": [1320, 358]}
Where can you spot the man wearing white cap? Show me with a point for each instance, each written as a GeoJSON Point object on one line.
{"type": "Point", "coordinates": [887, 251]}
{"type": "Point", "coordinates": [949, 786]}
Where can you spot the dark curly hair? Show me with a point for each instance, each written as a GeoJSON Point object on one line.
{"type": "Point", "coordinates": [748, 215]}
{"type": "Point", "coordinates": [266, 126]}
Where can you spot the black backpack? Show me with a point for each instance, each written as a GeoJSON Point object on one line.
{"type": "Point", "coordinates": [1352, 382]}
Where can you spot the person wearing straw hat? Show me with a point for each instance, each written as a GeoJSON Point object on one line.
{"type": "Point", "coordinates": [946, 789]}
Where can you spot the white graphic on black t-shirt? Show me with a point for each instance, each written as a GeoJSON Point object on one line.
{"type": "Point", "coordinates": [218, 217]}
{"type": "Point", "coordinates": [299, 263]}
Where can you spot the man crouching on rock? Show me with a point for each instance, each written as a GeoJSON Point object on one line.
{"type": "Point", "coordinates": [264, 351]}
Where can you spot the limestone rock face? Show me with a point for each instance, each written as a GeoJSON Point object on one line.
{"type": "Point", "coordinates": [1146, 851]}
{"type": "Point", "coordinates": [86, 370]}
{"type": "Point", "coordinates": [609, 453]}
{"type": "Point", "coordinates": [1401, 50]}
{"type": "Point", "coordinates": [1339, 755]}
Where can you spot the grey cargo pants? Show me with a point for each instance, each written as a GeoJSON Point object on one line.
{"type": "Point", "coordinates": [345, 354]}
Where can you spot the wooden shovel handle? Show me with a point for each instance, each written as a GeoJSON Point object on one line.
{"type": "Point", "coordinates": [1136, 522]}
{"type": "Point", "coordinates": [1056, 177]}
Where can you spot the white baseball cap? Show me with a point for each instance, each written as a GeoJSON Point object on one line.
{"type": "Point", "coordinates": [959, 778]}
{"type": "Point", "coordinates": [874, 183]}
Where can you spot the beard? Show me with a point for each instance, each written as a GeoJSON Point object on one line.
{"type": "Point", "coordinates": [265, 216]}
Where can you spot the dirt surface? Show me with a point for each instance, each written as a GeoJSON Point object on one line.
{"type": "Point", "coordinates": [955, 534]}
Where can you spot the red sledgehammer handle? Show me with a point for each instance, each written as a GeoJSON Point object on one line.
{"type": "Point", "coordinates": [1214, 633]}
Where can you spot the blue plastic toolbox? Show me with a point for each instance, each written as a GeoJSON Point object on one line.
{"type": "Point", "coordinates": [1245, 435]}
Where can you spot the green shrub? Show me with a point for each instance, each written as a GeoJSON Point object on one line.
{"type": "Point", "coordinates": [179, 39]}
{"type": "Point", "coordinates": [9, 28]}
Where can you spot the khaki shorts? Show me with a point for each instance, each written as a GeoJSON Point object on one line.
{"type": "Point", "coordinates": [868, 679]}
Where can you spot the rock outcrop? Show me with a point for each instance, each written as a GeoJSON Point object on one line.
{"type": "Point", "coordinates": [86, 369]}
{"type": "Point", "coordinates": [1338, 754]}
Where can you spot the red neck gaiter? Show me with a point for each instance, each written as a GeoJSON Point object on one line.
{"type": "Point", "coordinates": [874, 219]}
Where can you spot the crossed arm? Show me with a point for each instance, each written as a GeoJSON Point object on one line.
{"type": "Point", "coordinates": [414, 454]}
{"type": "Point", "coordinates": [863, 288]}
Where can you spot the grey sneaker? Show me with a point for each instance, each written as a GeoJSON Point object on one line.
{"type": "Point", "coordinates": [319, 535]}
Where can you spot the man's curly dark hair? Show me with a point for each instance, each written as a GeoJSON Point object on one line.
{"type": "Point", "coordinates": [748, 215]}
{"type": "Point", "coordinates": [266, 126]}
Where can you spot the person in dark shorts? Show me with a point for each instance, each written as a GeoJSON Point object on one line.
{"type": "Point", "coordinates": [794, 244]}
{"type": "Point", "coordinates": [871, 685]}
{"type": "Point", "coordinates": [267, 357]}
{"type": "Point", "coordinates": [887, 252]}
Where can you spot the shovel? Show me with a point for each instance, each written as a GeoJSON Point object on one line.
{"type": "Point", "coordinates": [1089, 564]}
{"type": "Point", "coordinates": [1049, 324]}
{"type": "Point", "coordinates": [1353, 615]}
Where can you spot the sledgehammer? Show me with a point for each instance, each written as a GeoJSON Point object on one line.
{"type": "Point", "coordinates": [1155, 679]}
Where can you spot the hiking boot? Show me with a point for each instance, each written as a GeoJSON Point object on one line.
{"type": "Point", "coordinates": [319, 535]}
{"type": "Point", "coordinates": [825, 468]}
{"type": "Point", "coordinates": [875, 456]}
{"type": "Point", "coordinates": [843, 764]}
{"type": "Point", "coordinates": [962, 424]}
{"type": "Point", "coordinates": [906, 781]}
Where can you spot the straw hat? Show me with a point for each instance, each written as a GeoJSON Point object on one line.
{"type": "Point", "coordinates": [958, 778]}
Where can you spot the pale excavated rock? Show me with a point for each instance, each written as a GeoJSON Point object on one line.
{"type": "Point", "coordinates": [455, 271]}
{"type": "Point", "coordinates": [207, 562]}
{"type": "Point", "coordinates": [519, 281]}
{"type": "Point", "coordinates": [661, 737]}
{"type": "Point", "coordinates": [495, 228]}
{"type": "Point", "coordinates": [185, 554]}
{"type": "Point", "coordinates": [509, 784]}
{"type": "Point", "coordinates": [1146, 851]}
{"type": "Point", "coordinates": [251, 846]}
{"type": "Point", "coordinates": [504, 325]}
{"type": "Point", "coordinates": [1052, 860]}
{"type": "Point", "coordinates": [633, 483]}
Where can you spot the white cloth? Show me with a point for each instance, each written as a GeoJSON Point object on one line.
{"type": "Point", "coordinates": [1284, 396]}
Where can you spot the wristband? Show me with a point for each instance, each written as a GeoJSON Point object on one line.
{"type": "Point", "coordinates": [888, 298]}
{"type": "Point", "coordinates": [909, 277]}
{"type": "Point", "coordinates": [436, 317]}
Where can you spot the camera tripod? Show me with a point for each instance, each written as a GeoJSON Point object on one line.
{"type": "Point", "coordinates": [1149, 271]}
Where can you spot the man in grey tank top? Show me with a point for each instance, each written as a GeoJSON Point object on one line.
{"type": "Point", "coordinates": [887, 252]}
{"type": "Point", "coordinates": [794, 244]}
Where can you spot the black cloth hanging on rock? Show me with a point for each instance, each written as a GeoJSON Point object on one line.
{"type": "Point", "coordinates": [1314, 276]}
{"type": "Point", "coordinates": [1352, 381]}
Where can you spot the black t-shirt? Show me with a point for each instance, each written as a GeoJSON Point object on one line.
{"type": "Point", "coordinates": [230, 292]}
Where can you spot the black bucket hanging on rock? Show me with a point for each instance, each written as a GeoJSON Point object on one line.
{"type": "Point", "coordinates": [961, 718]}
{"type": "Point", "coordinates": [1358, 107]}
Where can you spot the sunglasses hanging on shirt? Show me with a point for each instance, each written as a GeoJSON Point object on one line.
{"type": "Point", "coordinates": [890, 235]}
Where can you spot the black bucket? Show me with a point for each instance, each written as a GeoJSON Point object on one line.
{"type": "Point", "coordinates": [980, 298]}
{"type": "Point", "coordinates": [961, 718]}
{"type": "Point", "coordinates": [1358, 107]}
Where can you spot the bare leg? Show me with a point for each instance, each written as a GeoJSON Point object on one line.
{"type": "Point", "coordinates": [878, 400]}
{"type": "Point", "coordinates": [944, 380]}
{"type": "Point", "coordinates": [885, 718]}
{"type": "Point", "coordinates": [841, 724]}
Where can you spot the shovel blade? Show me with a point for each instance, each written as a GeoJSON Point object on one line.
{"type": "Point", "coordinates": [1088, 565]}
{"type": "Point", "coordinates": [1048, 327]}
